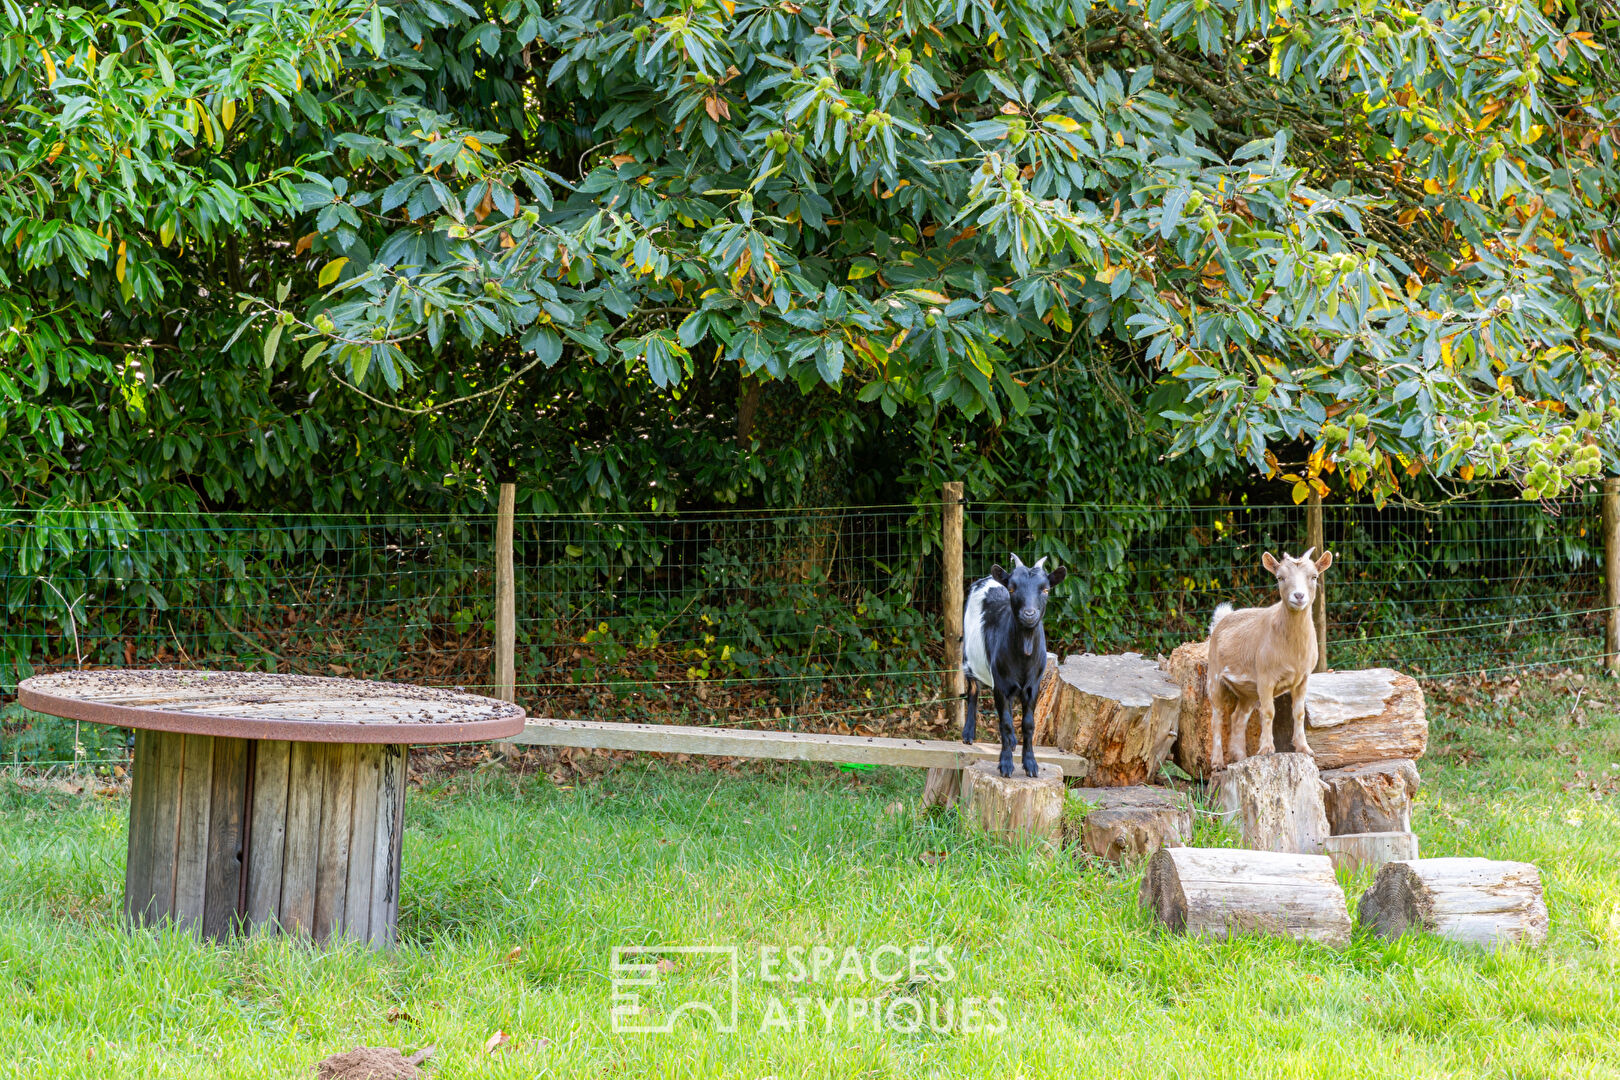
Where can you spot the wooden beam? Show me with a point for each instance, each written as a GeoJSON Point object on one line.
{"type": "Point", "coordinates": [1611, 572]}
{"type": "Point", "coordinates": [505, 602]}
{"type": "Point", "coordinates": [943, 786]}
{"type": "Point", "coordinates": [780, 745]}
{"type": "Point", "coordinates": [1316, 537]}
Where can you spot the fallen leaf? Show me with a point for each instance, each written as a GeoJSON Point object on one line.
{"type": "Point", "coordinates": [515, 952]}
{"type": "Point", "coordinates": [933, 857]}
{"type": "Point", "coordinates": [496, 1042]}
{"type": "Point", "coordinates": [396, 1014]}
{"type": "Point", "coordinates": [666, 965]}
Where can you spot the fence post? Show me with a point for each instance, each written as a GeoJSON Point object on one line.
{"type": "Point", "coordinates": [505, 603]}
{"type": "Point", "coordinates": [1611, 572]}
{"type": "Point", "coordinates": [943, 785]}
{"type": "Point", "coordinates": [1316, 537]}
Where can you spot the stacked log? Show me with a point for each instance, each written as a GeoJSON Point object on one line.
{"type": "Point", "coordinates": [1120, 712]}
{"type": "Point", "coordinates": [1221, 891]}
{"type": "Point", "coordinates": [1124, 823]}
{"type": "Point", "coordinates": [1474, 901]}
{"type": "Point", "coordinates": [1371, 798]}
{"type": "Point", "coordinates": [1276, 803]}
{"type": "Point", "coordinates": [1370, 850]}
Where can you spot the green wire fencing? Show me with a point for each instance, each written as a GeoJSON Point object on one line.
{"type": "Point", "coordinates": [820, 618]}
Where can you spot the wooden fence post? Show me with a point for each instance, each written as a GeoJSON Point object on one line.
{"type": "Point", "coordinates": [943, 785]}
{"type": "Point", "coordinates": [1316, 537]}
{"type": "Point", "coordinates": [505, 604]}
{"type": "Point", "coordinates": [1611, 572]}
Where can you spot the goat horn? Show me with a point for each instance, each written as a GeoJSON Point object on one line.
{"type": "Point", "coordinates": [1018, 564]}
{"type": "Point", "coordinates": [1307, 556]}
{"type": "Point", "coordinates": [1040, 563]}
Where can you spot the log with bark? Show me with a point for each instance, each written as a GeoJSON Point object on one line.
{"type": "Point", "coordinates": [1351, 717]}
{"type": "Point", "coordinates": [1222, 891]}
{"type": "Point", "coordinates": [1371, 798]}
{"type": "Point", "coordinates": [1474, 901]}
{"type": "Point", "coordinates": [1121, 823]}
{"type": "Point", "coordinates": [1370, 850]}
{"type": "Point", "coordinates": [1275, 800]}
{"type": "Point", "coordinates": [1022, 810]}
{"type": "Point", "coordinates": [1120, 712]}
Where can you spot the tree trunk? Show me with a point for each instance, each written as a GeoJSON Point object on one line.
{"type": "Point", "coordinates": [1120, 712]}
{"type": "Point", "coordinates": [1371, 798]}
{"type": "Point", "coordinates": [1023, 810]}
{"type": "Point", "coordinates": [1370, 850]}
{"type": "Point", "coordinates": [1122, 823]}
{"type": "Point", "coordinates": [1354, 717]}
{"type": "Point", "coordinates": [1221, 891]}
{"type": "Point", "coordinates": [1276, 802]}
{"type": "Point", "coordinates": [1473, 901]}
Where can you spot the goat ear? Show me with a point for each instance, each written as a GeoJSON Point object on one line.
{"type": "Point", "coordinates": [1269, 561]}
{"type": "Point", "coordinates": [998, 573]}
{"type": "Point", "coordinates": [1056, 576]}
{"type": "Point", "coordinates": [1325, 561]}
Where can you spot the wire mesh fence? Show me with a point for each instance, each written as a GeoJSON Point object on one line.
{"type": "Point", "coordinates": [812, 619]}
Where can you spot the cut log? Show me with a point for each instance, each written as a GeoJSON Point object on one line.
{"type": "Point", "coordinates": [1119, 712]}
{"type": "Point", "coordinates": [942, 787]}
{"type": "Point", "coordinates": [1355, 717]}
{"type": "Point", "coordinates": [1276, 802]}
{"type": "Point", "coordinates": [1186, 665]}
{"type": "Point", "coordinates": [1474, 901]}
{"type": "Point", "coordinates": [1370, 850]}
{"type": "Point", "coordinates": [1018, 809]}
{"type": "Point", "coordinates": [1222, 891]}
{"type": "Point", "coordinates": [1371, 798]}
{"type": "Point", "coordinates": [1120, 823]}
{"type": "Point", "coordinates": [1351, 717]}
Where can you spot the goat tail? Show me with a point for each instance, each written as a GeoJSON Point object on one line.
{"type": "Point", "coordinates": [1221, 611]}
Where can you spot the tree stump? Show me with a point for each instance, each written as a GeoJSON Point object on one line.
{"type": "Point", "coordinates": [1121, 823]}
{"type": "Point", "coordinates": [1370, 850]}
{"type": "Point", "coordinates": [1351, 717]}
{"type": "Point", "coordinates": [1120, 712]}
{"type": "Point", "coordinates": [1371, 798]}
{"type": "Point", "coordinates": [1222, 891]}
{"type": "Point", "coordinates": [1276, 802]}
{"type": "Point", "coordinates": [1474, 901]}
{"type": "Point", "coordinates": [1356, 717]}
{"type": "Point", "coordinates": [1023, 810]}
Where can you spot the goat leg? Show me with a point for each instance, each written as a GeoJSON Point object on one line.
{"type": "Point", "coordinates": [1300, 745]}
{"type": "Point", "coordinates": [1266, 703]}
{"type": "Point", "coordinates": [970, 711]}
{"type": "Point", "coordinates": [1008, 739]}
{"type": "Point", "coordinates": [1031, 768]}
{"type": "Point", "coordinates": [1217, 725]}
{"type": "Point", "coordinates": [1237, 734]}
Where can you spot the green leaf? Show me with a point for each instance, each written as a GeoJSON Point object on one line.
{"type": "Point", "coordinates": [329, 273]}
{"type": "Point", "coordinates": [271, 340]}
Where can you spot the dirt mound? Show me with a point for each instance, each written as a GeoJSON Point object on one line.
{"type": "Point", "coordinates": [372, 1063]}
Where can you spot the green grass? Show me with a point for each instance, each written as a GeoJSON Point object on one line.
{"type": "Point", "coordinates": [800, 855]}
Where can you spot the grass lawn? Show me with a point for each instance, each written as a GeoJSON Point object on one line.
{"type": "Point", "coordinates": [516, 891]}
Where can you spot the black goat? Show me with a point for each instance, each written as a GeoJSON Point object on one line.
{"type": "Point", "coordinates": [1004, 648]}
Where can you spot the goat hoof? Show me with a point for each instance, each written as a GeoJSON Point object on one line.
{"type": "Point", "coordinates": [1005, 768]}
{"type": "Point", "coordinates": [1032, 770]}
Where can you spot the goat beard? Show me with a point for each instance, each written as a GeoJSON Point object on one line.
{"type": "Point", "coordinates": [1029, 642]}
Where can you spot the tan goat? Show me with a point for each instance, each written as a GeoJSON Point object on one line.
{"type": "Point", "coordinates": [1257, 653]}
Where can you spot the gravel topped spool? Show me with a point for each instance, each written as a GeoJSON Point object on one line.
{"type": "Point", "coordinates": [251, 705]}
{"type": "Point", "coordinates": [268, 803]}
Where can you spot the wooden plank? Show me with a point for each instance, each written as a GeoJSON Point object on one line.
{"type": "Point", "coordinates": [780, 745]}
{"type": "Point", "coordinates": [191, 852]}
{"type": "Point", "coordinates": [387, 845]}
{"type": "Point", "coordinates": [301, 853]}
{"type": "Point", "coordinates": [267, 831]}
{"type": "Point", "coordinates": [362, 842]}
{"type": "Point", "coordinates": [337, 819]}
{"type": "Point", "coordinates": [227, 815]}
{"type": "Point", "coordinates": [165, 823]}
{"type": "Point", "coordinates": [1611, 571]}
{"type": "Point", "coordinates": [138, 862]}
